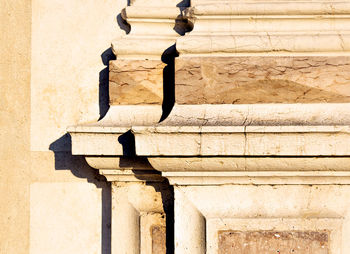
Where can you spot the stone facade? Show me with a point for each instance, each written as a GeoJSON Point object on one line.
{"type": "Point", "coordinates": [256, 143]}
{"type": "Point", "coordinates": [223, 128]}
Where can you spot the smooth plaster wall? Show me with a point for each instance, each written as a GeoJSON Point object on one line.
{"type": "Point", "coordinates": [15, 30]}
{"type": "Point", "coordinates": [50, 75]}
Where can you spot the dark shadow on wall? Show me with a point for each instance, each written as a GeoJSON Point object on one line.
{"type": "Point", "coordinates": [123, 25]}
{"type": "Point", "coordinates": [183, 4]}
{"type": "Point", "coordinates": [168, 57]}
{"type": "Point", "coordinates": [64, 160]}
{"type": "Point", "coordinates": [106, 56]}
{"type": "Point", "coordinates": [127, 140]}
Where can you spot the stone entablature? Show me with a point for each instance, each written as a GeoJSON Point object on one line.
{"type": "Point", "coordinates": [255, 147]}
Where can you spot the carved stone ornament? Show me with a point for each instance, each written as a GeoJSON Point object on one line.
{"type": "Point", "coordinates": [233, 137]}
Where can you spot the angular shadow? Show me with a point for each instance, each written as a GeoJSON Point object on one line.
{"type": "Point", "coordinates": [106, 56]}
{"type": "Point", "coordinates": [127, 140]}
{"type": "Point", "coordinates": [64, 160]}
{"type": "Point", "coordinates": [182, 26]}
{"type": "Point", "coordinates": [168, 57]}
{"type": "Point", "coordinates": [123, 25]}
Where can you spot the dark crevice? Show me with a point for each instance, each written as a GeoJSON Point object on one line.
{"type": "Point", "coordinates": [168, 57]}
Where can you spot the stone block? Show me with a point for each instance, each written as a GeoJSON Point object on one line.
{"type": "Point", "coordinates": [136, 82]}
{"type": "Point", "coordinates": [264, 242]}
{"type": "Point", "coordinates": [257, 79]}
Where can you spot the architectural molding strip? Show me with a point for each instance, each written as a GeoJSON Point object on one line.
{"type": "Point", "coordinates": [313, 114]}
{"type": "Point", "coordinates": [215, 8]}
{"type": "Point", "coordinates": [269, 27]}
{"type": "Point", "coordinates": [252, 165]}
{"type": "Point", "coordinates": [242, 141]}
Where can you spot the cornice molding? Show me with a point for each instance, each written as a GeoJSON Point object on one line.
{"type": "Point", "coordinates": [242, 140]}
{"type": "Point", "coordinates": [270, 27]}
{"type": "Point", "coordinates": [125, 169]}
{"type": "Point", "coordinates": [217, 155]}
{"type": "Point", "coordinates": [288, 139]}
{"type": "Point", "coordinates": [269, 114]}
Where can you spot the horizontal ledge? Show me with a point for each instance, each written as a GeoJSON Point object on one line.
{"type": "Point", "coordinates": [119, 164]}
{"type": "Point", "coordinates": [257, 170]}
{"type": "Point", "coordinates": [242, 141]}
{"type": "Point", "coordinates": [252, 42]}
{"type": "Point", "coordinates": [247, 165]}
{"type": "Point", "coordinates": [269, 8]}
{"type": "Point", "coordinates": [132, 176]}
{"type": "Point", "coordinates": [306, 17]}
{"type": "Point", "coordinates": [143, 47]}
{"type": "Point", "coordinates": [274, 114]}
{"type": "Point", "coordinates": [260, 174]}
{"type": "Point", "coordinates": [97, 129]}
{"type": "Point", "coordinates": [151, 12]}
{"type": "Point", "coordinates": [268, 53]}
{"type": "Point", "coordinates": [120, 118]}
{"type": "Point", "coordinates": [239, 129]}
{"type": "Point", "coordinates": [269, 180]}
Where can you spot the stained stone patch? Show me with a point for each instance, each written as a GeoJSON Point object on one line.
{"type": "Point", "coordinates": [135, 82]}
{"type": "Point", "coordinates": [267, 242]}
{"type": "Point", "coordinates": [158, 239]}
{"type": "Point", "coordinates": [263, 79]}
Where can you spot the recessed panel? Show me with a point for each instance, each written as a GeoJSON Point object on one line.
{"type": "Point", "coordinates": [252, 80]}
{"type": "Point", "coordinates": [158, 239]}
{"type": "Point", "coordinates": [267, 242]}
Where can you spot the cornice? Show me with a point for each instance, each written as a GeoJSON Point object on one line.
{"type": "Point", "coordinates": [217, 155]}
{"type": "Point", "coordinates": [242, 140]}
{"type": "Point", "coordinates": [269, 114]}
{"type": "Point", "coordinates": [207, 139]}
{"type": "Point", "coordinates": [269, 27]}
{"type": "Point", "coordinates": [215, 8]}
{"type": "Point", "coordinates": [124, 169]}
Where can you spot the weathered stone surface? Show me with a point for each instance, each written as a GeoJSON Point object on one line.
{"type": "Point", "coordinates": [134, 82]}
{"type": "Point", "coordinates": [158, 239]}
{"type": "Point", "coordinates": [264, 27]}
{"type": "Point", "coordinates": [266, 242]}
{"type": "Point", "coordinates": [137, 208]}
{"type": "Point", "coordinates": [249, 80]}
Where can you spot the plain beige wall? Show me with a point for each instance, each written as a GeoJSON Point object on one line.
{"type": "Point", "coordinates": [15, 158]}
{"type": "Point", "coordinates": [51, 201]}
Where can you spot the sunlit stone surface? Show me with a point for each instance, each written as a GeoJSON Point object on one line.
{"type": "Point", "coordinates": [266, 242]}
{"type": "Point", "coordinates": [251, 80]}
